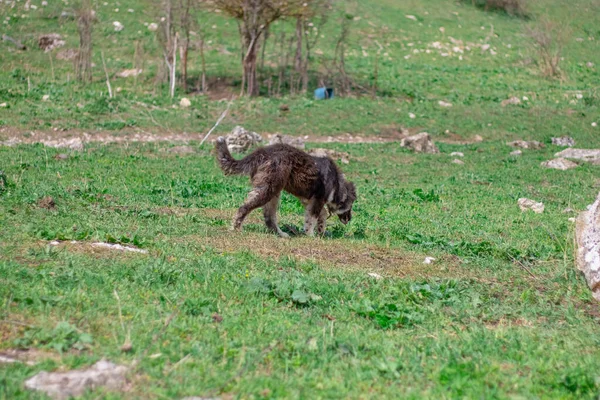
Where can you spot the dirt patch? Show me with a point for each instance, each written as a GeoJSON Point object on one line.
{"type": "Point", "coordinates": [348, 255]}
{"type": "Point", "coordinates": [453, 138]}
{"type": "Point", "coordinates": [47, 203]}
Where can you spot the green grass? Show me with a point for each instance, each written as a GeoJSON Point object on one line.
{"type": "Point", "coordinates": [473, 324]}
{"type": "Point", "coordinates": [501, 313]}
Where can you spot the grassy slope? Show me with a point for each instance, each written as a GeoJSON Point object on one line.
{"type": "Point", "coordinates": [473, 324]}
{"type": "Point", "coordinates": [475, 85]}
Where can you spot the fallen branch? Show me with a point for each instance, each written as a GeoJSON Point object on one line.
{"type": "Point", "coordinates": [218, 122]}
{"type": "Point", "coordinates": [17, 44]}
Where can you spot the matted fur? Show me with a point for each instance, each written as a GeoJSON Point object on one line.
{"type": "Point", "coordinates": [316, 181]}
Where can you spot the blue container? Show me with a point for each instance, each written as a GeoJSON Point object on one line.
{"type": "Point", "coordinates": [324, 93]}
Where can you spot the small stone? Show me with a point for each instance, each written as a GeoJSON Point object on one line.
{"type": "Point", "coordinates": [46, 97]}
{"type": "Point", "coordinates": [594, 124]}
{"type": "Point", "coordinates": [516, 153]}
{"type": "Point", "coordinates": [217, 318]}
{"type": "Point", "coordinates": [152, 27]}
{"type": "Point", "coordinates": [457, 161]}
{"type": "Point", "coordinates": [428, 260]}
{"type": "Point", "coordinates": [420, 143]}
{"type": "Point", "coordinates": [185, 102]}
{"type": "Point", "coordinates": [50, 42]}
{"type": "Point", "coordinates": [3, 105]}
{"type": "Point", "coordinates": [572, 219]}
{"type": "Point", "coordinates": [118, 26]}
{"type": "Point", "coordinates": [527, 204]}
{"type": "Point", "coordinates": [410, 115]}
{"type": "Point", "coordinates": [61, 157]}
{"type": "Point", "coordinates": [444, 103]}
{"type": "Point", "coordinates": [525, 98]}
{"type": "Point", "coordinates": [411, 17]}
{"type": "Point", "coordinates": [65, 385]}
{"type": "Point", "coordinates": [564, 141]}
{"type": "Point", "coordinates": [589, 64]}
{"type": "Point", "coordinates": [560, 164]}
{"type": "Point", "coordinates": [485, 47]}
{"type": "Point", "coordinates": [457, 154]}
{"type": "Point", "coordinates": [568, 210]}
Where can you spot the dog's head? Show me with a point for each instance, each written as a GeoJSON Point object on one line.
{"type": "Point", "coordinates": [344, 208]}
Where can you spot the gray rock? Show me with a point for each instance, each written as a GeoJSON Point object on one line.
{"type": "Point", "coordinates": [559, 163]}
{"type": "Point", "coordinates": [240, 140]}
{"type": "Point", "coordinates": [563, 141]}
{"type": "Point", "coordinates": [587, 233]}
{"type": "Point", "coordinates": [527, 204]}
{"type": "Point", "coordinates": [64, 385]}
{"type": "Point", "coordinates": [285, 139]}
{"type": "Point", "coordinates": [420, 143]}
{"type": "Point", "coordinates": [589, 155]}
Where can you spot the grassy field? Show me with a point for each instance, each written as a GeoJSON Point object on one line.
{"type": "Point", "coordinates": [500, 313]}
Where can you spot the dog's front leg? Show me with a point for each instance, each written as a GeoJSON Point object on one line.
{"type": "Point", "coordinates": [311, 217]}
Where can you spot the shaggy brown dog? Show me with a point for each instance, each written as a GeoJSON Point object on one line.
{"type": "Point", "coordinates": [316, 181]}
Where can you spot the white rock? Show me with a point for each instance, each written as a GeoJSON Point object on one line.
{"type": "Point", "coordinates": [594, 124]}
{"type": "Point", "coordinates": [46, 97]}
{"type": "Point", "coordinates": [457, 154]}
{"type": "Point", "coordinates": [443, 103]}
{"type": "Point", "coordinates": [285, 139]}
{"type": "Point", "coordinates": [590, 155]}
{"type": "Point", "coordinates": [457, 161]}
{"type": "Point", "coordinates": [3, 105]}
{"type": "Point", "coordinates": [185, 102]}
{"type": "Point", "coordinates": [152, 27]}
{"type": "Point", "coordinates": [374, 275]}
{"type": "Point", "coordinates": [115, 246]}
{"type": "Point", "coordinates": [560, 164]}
{"type": "Point", "coordinates": [118, 26]}
{"type": "Point", "coordinates": [411, 17]}
{"type": "Point", "coordinates": [516, 153]}
{"type": "Point", "coordinates": [589, 64]}
{"type": "Point", "coordinates": [587, 233]}
{"type": "Point", "coordinates": [485, 47]}
{"type": "Point", "coordinates": [527, 204]}
{"type": "Point", "coordinates": [65, 385]}
{"type": "Point", "coordinates": [525, 98]}
{"type": "Point", "coordinates": [428, 260]}
{"type": "Point", "coordinates": [410, 115]}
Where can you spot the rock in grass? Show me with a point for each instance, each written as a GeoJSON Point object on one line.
{"type": "Point", "coordinates": [563, 141]}
{"type": "Point", "coordinates": [589, 155]}
{"type": "Point", "coordinates": [64, 385]}
{"type": "Point", "coordinates": [185, 102]}
{"type": "Point", "coordinates": [240, 140]}
{"type": "Point", "coordinates": [560, 164]}
{"type": "Point", "coordinates": [420, 143]}
{"type": "Point", "coordinates": [587, 235]}
{"type": "Point", "coordinates": [457, 161]}
{"type": "Point", "coordinates": [285, 139]}
{"type": "Point", "coordinates": [527, 204]}
{"type": "Point", "coordinates": [516, 153]}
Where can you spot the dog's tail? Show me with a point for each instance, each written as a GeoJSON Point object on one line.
{"type": "Point", "coordinates": [230, 165]}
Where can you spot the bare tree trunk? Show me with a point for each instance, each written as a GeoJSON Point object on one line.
{"type": "Point", "coordinates": [204, 88]}
{"type": "Point", "coordinates": [298, 57]}
{"type": "Point", "coordinates": [250, 61]}
{"type": "Point", "coordinates": [185, 45]}
{"type": "Point", "coordinates": [84, 57]}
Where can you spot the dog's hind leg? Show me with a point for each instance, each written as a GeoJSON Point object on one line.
{"type": "Point", "coordinates": [270, 213]}
{"type": "Point", "coordinates": [312, 214]}
{"type": "Point", "coordinates": [258, 197]}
